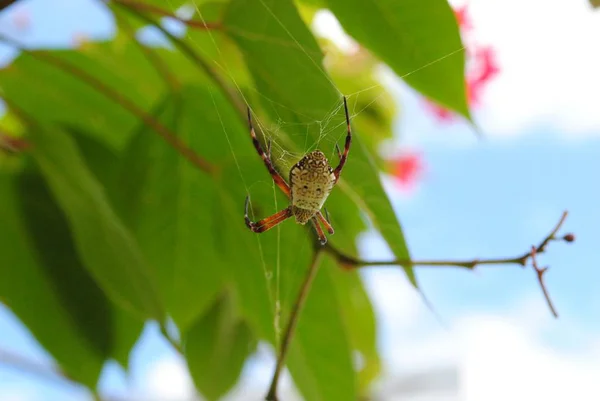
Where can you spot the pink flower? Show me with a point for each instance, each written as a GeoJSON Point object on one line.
{"type": "Point", "coordinates": [482, 67]}
{"type": "Point", "coordinates": [485, 68]}
{"type": "Point", "coordinates": [406, 169]}
{"type": "Point", "coordinates": [21, 19]}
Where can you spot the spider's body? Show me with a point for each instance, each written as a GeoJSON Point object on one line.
{"type": "Point", "coordinates": [311, 182]}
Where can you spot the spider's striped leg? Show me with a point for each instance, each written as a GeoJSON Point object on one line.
{"type": "Point", "coordinates": [267, 159]}
{"type": "Point", "coordinates": [344, 156]}
{"type": "Point", "coordinates": [319, 230]}
{"type": "Point", "coordinates": [268, 222]}
{"type": "Point", "coordinates": [325, 222]}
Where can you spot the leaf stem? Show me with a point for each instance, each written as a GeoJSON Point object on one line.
{"type": "Point", "coordinates": [159, 65]}
{"type": "Point", "coordinates": [189, 52]}
{"type": "Point", "coordinates": [293, 322]}
{"type": "Point", "coordinates": [139, 6]}
{"type": "Point", "coordinates": [118, 98]}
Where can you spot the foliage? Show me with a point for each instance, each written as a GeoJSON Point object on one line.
{"type": "Point", "coordinates": [105, 225]}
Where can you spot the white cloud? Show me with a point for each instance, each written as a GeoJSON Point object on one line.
{"type": "Point", "coordinates": [549, 60]}
{"type": "Point", "coordinates": [14, 394]}
{"type": "Point", "coordinates": [504, 361]}
{"type": "Point", "coordinates": [496, 355]}
{"type": "Point", "coordinates": [168, 379]}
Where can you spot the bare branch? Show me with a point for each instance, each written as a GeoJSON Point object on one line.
{"type": "Point", "coordinates": [540, 275]}
{"type": "Point", "coordinates": [350, 262]}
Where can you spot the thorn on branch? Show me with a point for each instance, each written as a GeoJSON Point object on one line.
{"type": "Point", "coordinates": [540, 275]}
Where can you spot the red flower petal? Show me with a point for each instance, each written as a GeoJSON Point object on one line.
{"type": "Point", "coordinates": [463, 19]}
{"type": "Point", "coordinates": [407, 169]}
{"type": "Point", "coordinates": [482, 67]}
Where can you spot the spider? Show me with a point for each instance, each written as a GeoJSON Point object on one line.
{"type": "Point", "coordinates": [311, 181]}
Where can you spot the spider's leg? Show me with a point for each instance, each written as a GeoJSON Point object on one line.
{"type": "Point", "coordinates": [344, 156]}
{"type": "Point", "coordinates": [267, 159]}
{"type": "Point", "coordinates": [325, 222]}
{"type": "Point", "coordinates": [268, 222]}
{"type": "Point", "coordinates": [319, 230]}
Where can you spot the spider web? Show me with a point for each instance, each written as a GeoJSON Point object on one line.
{"type": "Point", "coordinates": [331, 131]}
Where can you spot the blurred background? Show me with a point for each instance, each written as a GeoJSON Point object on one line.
{"type": "Point", "coordinates": [461, 193]}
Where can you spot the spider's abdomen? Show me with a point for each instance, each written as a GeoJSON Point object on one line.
{"type": "Point", "coordinates": [311, 182]}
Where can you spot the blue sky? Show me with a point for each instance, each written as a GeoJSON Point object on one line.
{"type": "Point", "coordinates": [479, 198]}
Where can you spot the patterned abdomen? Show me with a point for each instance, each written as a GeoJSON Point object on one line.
{"type": "Point", "coordinates": [311, 182]}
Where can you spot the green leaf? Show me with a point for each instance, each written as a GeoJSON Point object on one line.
{"type": "Point", "coordinates": [320, 357]}
{"type": "Point", "coordinates": [419, 40]}
{"type": "Point", "coordinates": [104, 163]}
{"type": "Point", "coordinates": [218, 134]}
{"type": "Point", "coordinates": [216, 347]}
{"type": "Point", "coordinates": [185, 240]}
{"type": "Point", "coordinates": [168, 207]}
{"type": "Point", "coordinates": [41, 283]}
{"type": "Point", "coordinates": [104, 245]}
{"type": "Point", "coordinates": [109, 330]}
{"type": "Point", "coordinates": [50, 234]}
{"type": "Point", "coordinates": [60, 96]}
{"type": "Point", "coordinates": [126, 330]}
{"type": "Point", "coordinates": [300, 93]}
{"type": "Point", "coordinates": [359, 321]}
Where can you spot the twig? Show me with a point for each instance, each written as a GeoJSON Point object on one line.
{"type": "Point", "coordinates": [293, 321]}
{"type": "Point", "coordinates": [540, 275]}
{"type": "Point", "coordinates": [350, 262]}
{"type": "Point", "coordinates": [123, 101]}
{"type": "Point", "coordinates": [136, 5]}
